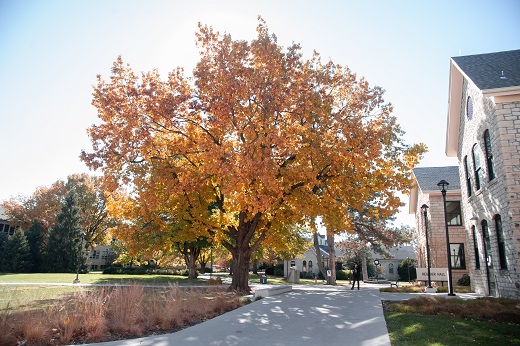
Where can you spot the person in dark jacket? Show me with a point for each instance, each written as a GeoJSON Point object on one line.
{"type": "Point", "coordinates": [356, 275]}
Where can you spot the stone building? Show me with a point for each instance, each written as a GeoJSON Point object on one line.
{"type": "Point", "coordinates": [427, 192]}
{"type": "Point", "coordinates": [307, 263]}
{"type": "Point", "coordinates": [483, 132]}
{"type": "Point", "coordinates": [389, 262]}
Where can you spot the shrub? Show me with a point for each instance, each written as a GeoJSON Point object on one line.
{"type": "Point", "coordinates": [143, 271]}
{"type": "Point", "coordinates": [341, 275]}
{"type": "Point", "coordinates": [464, 280]}
{"type": "Point", "coordinates": [217, 281]}
{"type": "Point", "coordinates": [407, 266]}
{"type": "Point", "coordinates": [278, 270]}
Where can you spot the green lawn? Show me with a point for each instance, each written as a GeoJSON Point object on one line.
{"type": "Point", "coordinates": [98, 277]}
{"type": "Point", "coordinates": [18, 297]}
{"type": "Point", "coordinates": [31, 296]}
{"type": "Point", "coordinates": [417, 330]}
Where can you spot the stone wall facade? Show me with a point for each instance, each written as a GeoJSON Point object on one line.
{"type": "Point", "coordinates": [498, 197]}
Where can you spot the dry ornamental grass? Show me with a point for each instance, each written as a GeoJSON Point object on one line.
{"type": "Point", "coordinates": [113, 313]}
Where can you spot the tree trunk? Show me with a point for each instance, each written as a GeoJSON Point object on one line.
{"type": "Point", "coordinates": [255, 267]}
{"type": "Point", "coordinates": [241, 246]}
{"type": "Point", "coordinates": [203, 261]}
{"type": "Point", "coordinates": [332, 259]}
{"type": "Point", "coordinates": [317, 248]}
{"type": "Point", "coordinates": [364, 267]}
{"type": "Point", "coordinates": [191, 263]}
{"type": "Point", "coordinates": [190, 257]}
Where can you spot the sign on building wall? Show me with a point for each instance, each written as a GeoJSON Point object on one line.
{"type": "Point", "coordinates": [436, 274]}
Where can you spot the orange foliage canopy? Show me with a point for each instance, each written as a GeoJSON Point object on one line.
{"type": "Point", "coordinates": [262, 136]}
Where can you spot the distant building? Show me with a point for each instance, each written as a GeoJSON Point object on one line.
{"type": "Point", "coordinates": [100, 257]}
{"type": "Point", "coordinates": [426, 192]}
{"type": "Point", "coordinates": [5, 226]}
{"type": "Point", "coordinates": [389, 264]}
{"type": "Point", "coordinates": [307, 263]}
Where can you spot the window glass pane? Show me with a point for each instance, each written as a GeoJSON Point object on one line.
{"type": "Point", "coordinates": [489, 156]}
{"type": "Point", "coordinates": [458, 260]}
{"type": "Point", "coordinates": [454, 214]}
{"type": "Point", "coordinates": [477, 167]}
{"type": "Point", "coordinates": [501, 242]}
{"type": "Point", "coordinates": [468, 178]}
{"type": "Point", "coordinates": [475, 244]}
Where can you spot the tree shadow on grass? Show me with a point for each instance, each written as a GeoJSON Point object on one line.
{"type": "Point", "coordinates": [162, 280]}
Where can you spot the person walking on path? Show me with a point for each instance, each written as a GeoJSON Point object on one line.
{"type": "Point", "coordinates": [356, 275]}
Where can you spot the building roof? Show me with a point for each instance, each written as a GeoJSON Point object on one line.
{"type": "Point", "coordinates": [485, 70]}
{"type": "Point", "coordinates": [428, 177]}
{"type": "Point", "coordinates": [400, 253]}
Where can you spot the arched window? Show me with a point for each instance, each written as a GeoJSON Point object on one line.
{"type": "Point", "coordinates": [310, 266]}
{"type": "Point", "coordinates": [469, 108]}
{"type": "Point", "coordinates": [501, 242]}
{"type": "Point", "coordinates": [475, 247]}
{"type": "Point", "coordinates": [487, 244]}
{"type": "Point", "coordinates": [390, 268]}
{"type": "Point", "coordinates": [489, 156]}
{"type": "Point", "coordinates": [476, 166]}
{"type": "Point", "coordinates": [304, 266]}
{"type": "Point", "coordinates": [468, 177]}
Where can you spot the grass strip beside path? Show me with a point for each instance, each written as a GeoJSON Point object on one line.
{"type": "Point", "coordinates": [442, 321]}
{"type": "Point", "coordinates": [411, 329]}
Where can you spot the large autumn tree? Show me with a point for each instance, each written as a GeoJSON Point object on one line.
{"type": "Point", "coordinates": [264, 136]}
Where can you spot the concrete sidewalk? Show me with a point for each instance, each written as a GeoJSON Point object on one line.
{"type": "Point", "coordinates": [319, 315]}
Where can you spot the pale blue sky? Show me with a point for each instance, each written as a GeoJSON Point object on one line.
{"type": "Point", "coordinates": [51, 52]}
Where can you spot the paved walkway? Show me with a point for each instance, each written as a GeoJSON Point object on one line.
{"type": "Point", "coordinates": [313, 315]}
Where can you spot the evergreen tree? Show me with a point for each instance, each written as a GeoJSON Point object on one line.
{"type": "Point", "coordinates": [17, 256]}
{"type": "Point", "coordinates": [406, 269]}
{"type": "Point", "coordinates": [66, 250]}
{"type": "Point", "coordinates": [3, 243]}
{"type": "Point", "coordinates": [35, 238]}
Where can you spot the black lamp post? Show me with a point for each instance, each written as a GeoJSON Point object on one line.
{"type": "Point", "coordinates": [442, 184]}
{"type": "Point", "coordinates": [408, 265]}
{"type": "Point", "coordinates": [424, 208]}
{"type": "Point", "coordinates": [78, 259]}
{"type": "Point", "coordinates": [377, 263]}
{"type": "Point", "coordinates": [211, 262]}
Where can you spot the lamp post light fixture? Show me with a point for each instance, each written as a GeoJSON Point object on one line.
{"type": "Point", "coordinates": [377, 264]}
{"type": "Point", "coordinates": [424, 208]}
{"type": "Point", "coordinates": [443, 184]}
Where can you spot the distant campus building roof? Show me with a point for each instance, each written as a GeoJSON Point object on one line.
{"type": "Point", "coordinates": [429, 177]}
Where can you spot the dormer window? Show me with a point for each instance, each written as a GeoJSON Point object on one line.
{"type": "Point", "coordinates": [469, 108]}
